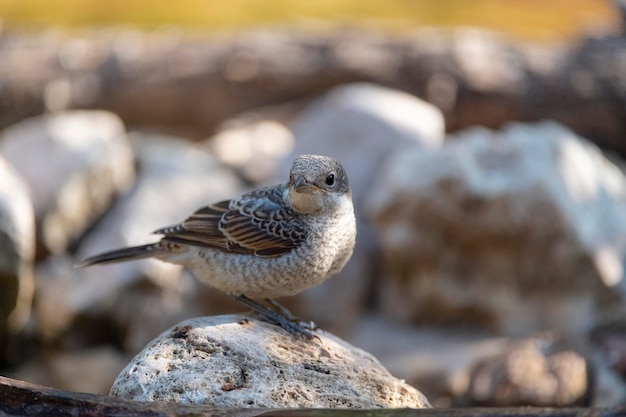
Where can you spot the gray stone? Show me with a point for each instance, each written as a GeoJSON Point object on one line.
{"type": "Point", "coordinates": [174, 179]}
{"type": "Point", "coordinates": [540, 371]}
{"type": "Point", "coordinates": [518, 231]}
{"type": "Point", "coordinates": [360, 125]}
{"type": "Point", "coordinates": [438, 360]}
{"type": "Point", "coordinates": [74, 164]}
{"type": "Point", "coordinates": [233, 361]}
{"type": "Point", "coordinates": [17, 251]}
{"type": "Point", "coordinates": [253, 146]}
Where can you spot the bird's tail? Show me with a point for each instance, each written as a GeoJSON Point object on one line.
{"type": "Point", "coordinates": [125, 254]}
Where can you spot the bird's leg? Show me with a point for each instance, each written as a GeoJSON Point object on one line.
{"type": "Point", "coordinates": [283, 310]}
{"type": "Point", "coordinates": [289, 315]}
{"type": "Point", "coordinates": [275, 317]}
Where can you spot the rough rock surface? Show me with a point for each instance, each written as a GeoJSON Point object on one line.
{"type": "Point", "coordinates": [17, 251]}
{"type": "Point", "coordinates": [74, 164]}
{"type": "Point", "coordinates": [233, 361]}
{"type": "Point", "coordinates": [377, 122]}
{"type": "Point", "coordinates": [493, 227]}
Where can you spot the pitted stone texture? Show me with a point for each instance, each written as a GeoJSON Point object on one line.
{"type": "Point", "coordinates": [233, 361]}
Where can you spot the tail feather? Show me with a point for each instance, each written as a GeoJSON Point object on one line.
{"type": "Point", "coordinates": [124, 254]}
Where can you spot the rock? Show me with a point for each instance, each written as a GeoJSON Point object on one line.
{"type": "Point", "coordinates": [74, 164]}
{"type": "Point", "coordinates": [234, 361]}
{"type": "Point", "coordinates": [517, 231]}
{"type": "Point", "coordinates": [366, 117]}
{"type": "Point", "coordinates": [253, 145]}
{"type": "Point", "coordinates": [361, 125]}
{"type": "Point", "coordinates": [535, 372]}
{"type": "Point", "coordinates": [438, 360]}
{"type": "Point", "coordinates": [17, 250]}
{"type": "Point", "coordinates": [174, 179]}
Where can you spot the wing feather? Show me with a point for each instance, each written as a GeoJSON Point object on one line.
{"type": "Point", "coordinates": [258, 223]}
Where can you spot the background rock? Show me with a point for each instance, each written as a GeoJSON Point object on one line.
{"type": "Point", "coordinates": [74, 164]}
{"type": "Point", "coordinates": [252, 144]}
{"type": "Point", "coordinates": [493, 227]}
{"type": "Point", "coordinates": [540, 372]}
{"type": "Point", "coordinates": [232, 361]}
{"type": "Point", "coordinates": [360, 125]}
{"type": "Point", "coordinates": [437, 360]}
{"type": "Point", "coordinates": [365, 116]}
{"type": "Point", "coordinates": [173, 181]}
{"type": "Point", "coordinates": [17, 251]}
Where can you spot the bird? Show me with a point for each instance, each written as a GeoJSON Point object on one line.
{"type": "Point", "coordinates": [271, 242]}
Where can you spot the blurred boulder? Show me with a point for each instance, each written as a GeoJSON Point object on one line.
{"type": "Point", "coordinates": [17, 251]}
{"type": "Point", "coordinates": [252, 146]}
{"type": "Point", "coordinates": [74, 164]}
{"type": "Point", "coordinates": [140, 298]}
{"type": "Point", "coordinates": [360, 125]}
{"type": "Point", "coordinates": [234, 361]}
{"type": "Point", "coordinates": [516, 231]}
{"type": "Point", "coordinates": [438, 360]}
{"type": "Point", "coordinates": [540, 372]}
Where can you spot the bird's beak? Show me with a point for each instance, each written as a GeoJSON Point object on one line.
{"type": "Point", "coordinates": [301, 185]}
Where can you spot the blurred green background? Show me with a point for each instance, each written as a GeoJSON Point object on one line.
{"type": "Point", "coordinates": [543, 20]}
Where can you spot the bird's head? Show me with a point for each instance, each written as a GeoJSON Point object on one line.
{"type": "Point", "coordinates": [318, 183]}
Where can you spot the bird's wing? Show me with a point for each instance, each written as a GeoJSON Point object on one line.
{"type": "Point", "coordinates": [258, 223]}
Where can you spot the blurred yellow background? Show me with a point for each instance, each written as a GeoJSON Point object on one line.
{"type": "Point", "coordinates": [530, 19]}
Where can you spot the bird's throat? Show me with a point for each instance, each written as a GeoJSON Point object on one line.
{"type": "Point", "coordinates": [305, 203]}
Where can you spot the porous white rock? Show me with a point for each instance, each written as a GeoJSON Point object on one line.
{"type": "Point", "coordinates": [518, 231]}
{"type": "Point", "coordinates": [234, 361]}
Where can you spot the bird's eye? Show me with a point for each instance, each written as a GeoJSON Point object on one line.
{"type": "Point", "coordinates": [330, 180]}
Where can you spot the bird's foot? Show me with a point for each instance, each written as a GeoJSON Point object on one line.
{"type": "Point", "coordinates": [310, 325]}
{"type": "Point", "coordinates": [296, 328]}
